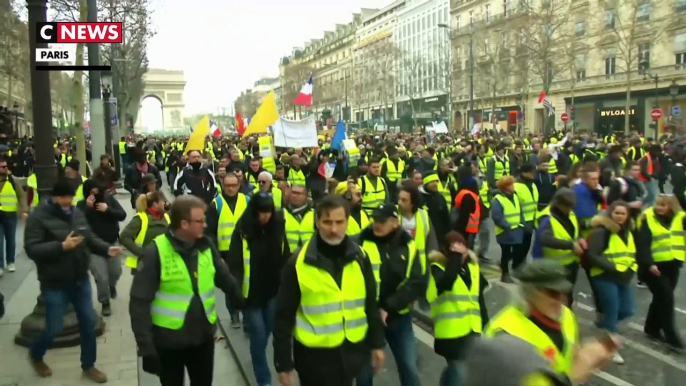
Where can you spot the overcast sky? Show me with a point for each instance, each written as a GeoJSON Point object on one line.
{"type": "Point", "coordinates": [223, 47]}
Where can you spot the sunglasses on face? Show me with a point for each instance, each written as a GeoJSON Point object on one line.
{"type": "Point", "coordinates": [263, 182]}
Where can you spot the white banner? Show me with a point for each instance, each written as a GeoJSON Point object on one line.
{"type": "Point", "coordinates": [296, 134]}
{"type": "Point", "coordinates": [440, 128]}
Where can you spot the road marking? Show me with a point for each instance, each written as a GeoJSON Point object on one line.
{"type": "Point", "coordinates": [679, 310]}
{"type": "Point", "coordinates": [612, 379]}
{"type": "Point", "coordinates": [632, 325]}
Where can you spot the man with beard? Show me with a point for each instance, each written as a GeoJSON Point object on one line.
{"type": "Point", "coordinates": [358, 218]}
{"type": "Point", "coordinates": [71, 172]}
{"type": "Point", "coordinates": [135, 173]}
{"type": "Point", "coordinates": [196, 179]}
{"type": "Point", "coordinates": [435, 205]}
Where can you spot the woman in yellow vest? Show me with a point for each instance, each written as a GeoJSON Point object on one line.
{"type": "Point", "coordinates": [508, 216]}
{"type": "Point", "coordinates": [661, 253]}
{"type": "Point", "coordinates": [149, 222]}
{"type": "Point", "coordinates": [458, 309]}
{"type": "Point", "coordinates": [611, 257]}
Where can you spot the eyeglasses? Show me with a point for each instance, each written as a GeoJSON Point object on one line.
{"type": "Point", "coordinates": [230, 185]}
{"type": "Point", "coordinates": [262, 182]}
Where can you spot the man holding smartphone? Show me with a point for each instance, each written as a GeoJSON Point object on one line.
{"type": "Point", "coordinates": [58, 239]}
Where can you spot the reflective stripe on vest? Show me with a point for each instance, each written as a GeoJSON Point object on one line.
{"type": "Point", "coordinates": [667, 244]}
{"type": "Point", "coordinates": [552, 166]}
{"type": "Point", "coordinates": [564, 257]}
{"type": "Point", "coordinates": [474, 217]}
{"type": "Point", "coordinates": [131, 260]}
{"type": "Point", "coordinates": [8, 197]}
{"type": "Point", "coordinates": [175, 292]}
{"type": "Point", "coordinates": [299, 232]}
{"type": "Point", "coordinates": [296, 177]}
{"type": "Point", "coordinates": [375, 259]}
{"type": "Point", "coordinates": [511, 211]}
{"type": "Point", "coordinates": [246, 267]}
{"type": "Point", "coordinates": [328, 314]}
{"type": "Point", "coordinates": [373, 195]}
{"type": "Point", "coordinates": [512, 321]}
{"type": "Point", "coordinates": [623, 256]}
{"type": "Point", "coordinates": [455, 313]}
{"type": "Point", "coordinates": [444, 190]}
{"type": "Point", "coordinates": [394, 173]}
{"type": "Point", "coordinates": [527, 199]}
{"type": "Point", "coordinates": [228, 219]}
{"type": "Point", "coordinates": [79, 191]}
{"type": "Point", "coordinates": [499, 169]}
{"type": "Point", "coordinates": [353, 227]}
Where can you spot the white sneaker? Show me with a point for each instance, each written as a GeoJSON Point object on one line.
{"type": "Point", "coordinates": [11, 267]}
{"type": "Point", "coordinates": [2, 272]}
{"type": "Point", "coordinates": [617, 359]}
{"type": "Point", "coordinates": [641, 284]}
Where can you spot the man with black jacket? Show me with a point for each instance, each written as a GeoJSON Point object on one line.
{"type": "Point", "coordinates": [57, 238]}
{"type": "Point", "coordinates": [343, 271]}
{"type": "Point", "coordinates": [196, 179]}
{"type": "Point", "coordinates": [138, 170]}
{"type": "Point", "coordinates": [174, 320]}
{"type": "Point", "coordinates": [678, 177]}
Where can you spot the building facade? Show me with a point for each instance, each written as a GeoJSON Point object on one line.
{"type": "Point", "coordinates": [374, 56]}
{"type": "Point", "coordinates": [422, 37]}
{"type": "Point", "coordinates": [599, 62]}
{"type": "Point", "coordinates": [250, 99]}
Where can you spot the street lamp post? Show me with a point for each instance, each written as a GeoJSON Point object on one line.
{"type": "Point", "coordinates": [15, 108]}
{"type": "Point", "coordinates": [449, 74]}
{"type": "Point", "coordinates": [106, 81]}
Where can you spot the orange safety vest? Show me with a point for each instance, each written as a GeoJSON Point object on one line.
{"type": "Point", "coordinates": [474, 217]}
{"type": "Point", "coordinates": [650, 168]}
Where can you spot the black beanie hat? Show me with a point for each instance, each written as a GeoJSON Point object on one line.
{"type": "Point", "coordinates": [63, 188]}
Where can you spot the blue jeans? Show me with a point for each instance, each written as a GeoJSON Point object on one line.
{"type": "Point", "coordinates": [231, 308]}
{"type": "Point", "coordinates": [56, 303]}
{"type": "Point", "coordinates": [8, 238]}
{"type": "Point", "coordinates": [260, 322]}
{"type": "Point", "coordinates": [453, 374]}
{"type": "Point", "coordinates": [616, 301]}
{"type": "Point", "coordinates": [401, 340]}
{"type": "Point", "coordinates": [651, 190]}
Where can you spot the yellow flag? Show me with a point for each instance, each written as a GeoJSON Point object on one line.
{"type": "Point", "coordinates": [265, 116]}
{"type": "Point", "coordinates": [197, 138]}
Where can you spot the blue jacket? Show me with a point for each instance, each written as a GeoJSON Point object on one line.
{"type": "Point", "coordinates": [586, 205]}
{"type": "Point", "coordinates": [509, 236]}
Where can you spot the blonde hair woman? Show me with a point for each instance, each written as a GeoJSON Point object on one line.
{"type": "Point", "coordinates": [150, 222]}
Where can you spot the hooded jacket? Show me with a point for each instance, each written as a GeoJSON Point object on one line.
{"type": "Point", "coordinates": [104, 224]}
{"type": "Point", "coordinates": [603, 228]}
{"type": "Point", "coordinates": [456, 349]}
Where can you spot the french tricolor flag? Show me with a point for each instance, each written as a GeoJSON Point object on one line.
{"type": "Point", "coordinates": [304, 98]}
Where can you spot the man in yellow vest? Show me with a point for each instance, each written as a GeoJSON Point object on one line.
{"type": "Point", "coordinates": [373, 187]}
{"type": "Point", "coordinates": [400, 275]}
{"type": "Point", "coordinates": [266, 185]}
{"type": "Point", "coordinates": [72, 173]}
{"type": "Point", "coordinates": [222, 218]}
{"type": "Point", "coordinates": [415, 220]}
{"type": "Point", "coordinates": [12, 205]}
{"type": "Point", "coordinates": [327, 317]}
{"type": "Point", "coordinates": [358, 219]}
{"type": "Point", "coordinates": [296, 175]}
{"type": "Point", "coordinates": [393, 169]}
{"type": "Point", "coordinates": [497, 166]}
{"type": "Point", "coordinates": [528, 198]}
{"type": "Point", "coordinates": [172, 302]}
{"type": "Point", "coordinates": [299, 217]}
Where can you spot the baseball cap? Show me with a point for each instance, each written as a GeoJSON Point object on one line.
{"type": "Point", "coordinates": [385, 212]}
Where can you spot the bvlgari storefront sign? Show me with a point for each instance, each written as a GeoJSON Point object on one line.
{"type": "Point", "coordinates": [616, 112]}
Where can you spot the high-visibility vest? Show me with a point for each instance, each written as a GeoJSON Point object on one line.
{"type": "Point", "coordinates": [552, 166]}
{"type": "Point", "coordinates": [64, 158]}
{"type": "Point", "coordinates": [131, 260]}
{"type": "Point", "coordinates": [649, 168]}
{"type": "Point", "coordinates": [32, 182]}
{"type": "Point", "coordinates": [667, 244]}
{"type": "Point", "coordinates": [511, 211]}
{"type": "Point", "coordinates": [527, 199]}
{"type": "Point", "coordinates": [246, 266]}
{"type": "Point", "coordinates": [484, 194]}
{"type": "Point", "coordinates": [79, 191]}
{"type": "Point", "coordinates": [328, 314]}
{"type": "Point", "coordinates": [444, 190]}
{"type": "Point", "coordinates": [353, 227]}
{"type": "Point", "coordinates": [483, 165]}
{"type": "Point", "coordinates": [421, 235]}
{"type": "Point", "coordinates": [373, 196]}
{"type": "Point", "coordinates": [299, 232]}
{"type": "Point", "coordinates": [375, 258]}
{"type": "Point", "coordinates": [174, 296]}
{"type": "Point", "coordinates": [455, 313]}
{"type": "Point", "coordinates": [296, 177]}
{"type": "Point", "coordinates": [122, 148]}
{"type": "Point", "coordinates": [8, 197]}
{"type": "Point", "coordinates": [228, 219]}
{"type": "Point", "coordinates": [474, 217]}
{"type": "Point", "coordinates": [393, 172]}
{"type": "Point", "coordinates": [564, 257]}
{"type": "Point", "coordinates": [500, 168]}
{"type": "Point", "coordinates": [540, 215]}
{"type": "Point", "coordinates": [623, 256]}
{"type": "Point", "coordinates": [513, 322]}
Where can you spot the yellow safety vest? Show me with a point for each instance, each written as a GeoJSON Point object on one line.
{"type": "Point", "coordinates": [375, 259]}
{"type": "Point", "coordinates": [174, 296]}
{"type": "Point", "coordinates": [445, 191]}
{"type": "Point", "coordinates": [299, 232]}
{"type": "Point", "coordinates": [500, 169]}
{"type": "Point", "coordinates": [564, 257]}
{"type": "Point", "coordinates": [623, 256]}
{"type": "Point", "coordinates": [373, 196]}
{"type": "Point", "coordinates": [455, 313]}
{"type": "Point", "coordinates": [8, 197]}
{"type": "Point", "coordinates": [122, 148]}
{"type": "Point", "coordinates": [527, 200]}
{"type": "Point", "coordinates": [541, 214]}
{"type": "Point", "coordinates": [353, 227]}
{"type": "Point", "coordinates": [32, 182]}
{"type": "Point", "coordinates": [131, 260]}
{"type": "Point", "coordinates": [246, 267]}
{"type": "Point", "coordinates": [328, 314]}
{"type": "Point", "coordinates": [512, 321]}
{"type": "Point", "coordinates": [667, 244]}
{"type": "Point", "coordinates": [79, 191]}
{"type": "Point", "coordinates": [296, 177]}
{"type": "Point", "coordinates": [511, 211]}
{"type": "Point", "coordinates": [421, 234]}
{"type": "Point", "coordinates": [228, 219]}
{"type": "Point", "coordinates": [394, 173]}
{"type": "Point", "coordinates": [484, 196]}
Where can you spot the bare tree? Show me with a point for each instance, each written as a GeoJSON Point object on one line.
{"type": "Point", "coordinates": [382, 72]}
{"type": "Point", "coordinates": [493, 66]}
{"type": "Point", "coordinates": [411, 70]}
{"type": "Point", "coordinates": [294, 75]}
{"type": "Point", "coordinates": [631, 29]}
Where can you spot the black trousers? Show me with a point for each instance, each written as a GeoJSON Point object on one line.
{"type": "Point", "coordinates": [316, 380]}
{"type": "Point", "coordinates": [522, 251]}
{"type": "Point", "coordinates": [199, 361]}
{"type": "Point", "coordinates": [510, 253]}
{"type": "Point", "coordinates": [572, 273]}
{"type": "Point", "coordinates": [660, 316]}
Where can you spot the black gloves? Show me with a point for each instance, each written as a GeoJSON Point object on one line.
{"type": "Point", "coordinates": [151, 364]}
